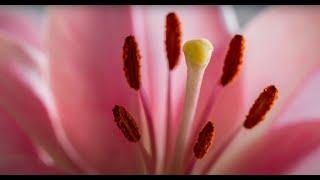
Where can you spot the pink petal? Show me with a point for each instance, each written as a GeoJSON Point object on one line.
{"type": "Point", "coordinates": [279, 150]}
{"type": "Point", "coordinates": [85, 49]}
{"type": "Point", "coordinates": [197, 22]}
{"type": "Point", "coordinates": [294, 137]}
{"type": "Point", "coordinates": [20, 86]}
{"type": "Point", "coordinates": [282, 50]}
{"type": "Point", "coordinates": [286, 59]}
{"type": "Point", "coordinates": [304, 107]}
{"type": "Point", "coordinates": [309, 165]}
{"type": "Point", "coordinates": [18, 155]}
{"type": "Point", "coordinates": [21, 24]}
{"type": "Point", "coordinates": [304, 102]}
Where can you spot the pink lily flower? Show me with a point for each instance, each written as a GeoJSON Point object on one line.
{"type": "Point", "coordinates": [62, 76]}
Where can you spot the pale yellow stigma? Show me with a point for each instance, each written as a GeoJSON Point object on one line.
{"type": "Point", "coordinates": [198, 51]}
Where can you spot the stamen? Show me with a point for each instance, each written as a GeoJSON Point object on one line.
{"type": "Point", "coordinates": [204, 141]}
{"type": "Point", "coordinates": [173, 48]}
{"type": "Point", "coordinates": [129, 129]}
{"type": "Point", "coordinates": [173, 39]}
{"type": "Point", "coordinates": [198, 55]}
{"type": "Point", "coordinates": [261, 106]}
{"type": "Point", "coordinates": [126, 123]}
{"type": "Point", "coordinates": [233, 60]}
{"type": "Point", "coordinates": [218, 152]}
{"type": "Point", "coordinates": [131, 57]}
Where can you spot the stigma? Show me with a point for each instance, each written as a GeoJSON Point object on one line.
{"type": "Point", "coordinates": [198, 52]}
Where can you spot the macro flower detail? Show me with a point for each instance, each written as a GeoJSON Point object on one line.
{"type": "Point", "coordinates": [197, 54]}
{"type": "Point", "coordinates": [159, 90]}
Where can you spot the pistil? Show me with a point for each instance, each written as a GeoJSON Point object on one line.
{"type": "Point", "coordinates": [198, 54]}
{"type": "Point", "coordinates": [231, 68]}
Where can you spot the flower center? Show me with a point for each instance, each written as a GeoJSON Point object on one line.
{"type": "Point", "coordinates": [178, 156]}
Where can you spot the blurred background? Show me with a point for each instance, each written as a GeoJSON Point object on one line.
{"type": "Point", "coordinates": [244, 12]}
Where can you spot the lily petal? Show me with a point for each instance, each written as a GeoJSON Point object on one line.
{"type": "Point", "coordinates": [20, 78]}
{"type": "Point", "coordinates": [21, 24]}
{"type": "Point", "coordinates": [308, 165]}
{"type": "Point", "coordinates": [278, 151]}
{"type": "Point", "coordinates": [294, 137]}
{"type": "Point", "coordinates": [18, 155]}
{"type": "Point", "coordinates": [304, 102]}
{"type": "Point", "coordinates": [305, 107]}
{"type": "Point", "coordinates": [283, 58]}
{"type": "Point", "coordinates": [86, 76]}
{"type": "Point", "coordinates": [278, 56]}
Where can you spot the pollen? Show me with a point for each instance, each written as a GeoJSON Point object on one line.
{"type": "Point", "coordinates": [233, 60]}
{"type": "Point", "coordinates": [126, 123]}
{"type": "Point", "coordinates": [173, 39]}
{"type": "Point", "coordinates": [205, 140]}
{"type": "Point", "coordinates": [261, 106]}
{"type": "Point", "coordinates": [198, 52]}
{"type": "Point", "coordinates": [131, 62]}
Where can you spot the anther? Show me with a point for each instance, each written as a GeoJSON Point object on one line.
{"type": "Point", "coordinates": [131, 62]}
{"type": "Point", "coordinates": [205, 140]}
{"type": "Point", "coordinates": [233, 60]}
{"type": "Point", "coordinates": [261, 106]}
{"type": "Point", "coordinates": [126, 123]}
{"type": "Point", "coordinates": [173, 39]}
